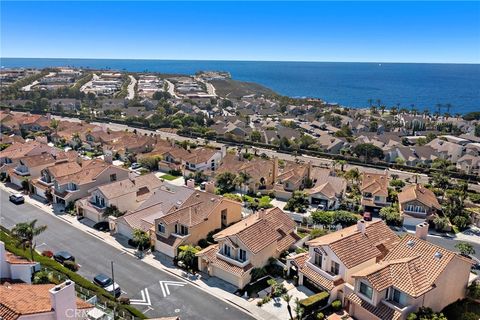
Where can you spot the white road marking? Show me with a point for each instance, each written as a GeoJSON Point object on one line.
{"type": "Point", "coordinates": [145, 301]}
{"type": "Point", "coordinates": [165, 284]}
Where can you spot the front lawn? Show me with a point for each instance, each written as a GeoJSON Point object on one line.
{"type": "Point", "coordinates": [168, 177]}
{"type": "Point", "coordinates": [263, 202]}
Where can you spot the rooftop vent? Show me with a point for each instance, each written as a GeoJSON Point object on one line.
{"type": "Point", "coordinates": [179, 202]}
{"type": "Point", "coordinates": [410, 243]}
{"type": "Point", "coordinates": [438, 255]}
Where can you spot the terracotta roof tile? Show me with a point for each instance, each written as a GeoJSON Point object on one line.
{"type": "Point", "coordinates": [375, 183]}
{"type": "Point", "coordinates": [210, 253]}
{"type": "Point", "coordinates": [381, 311]}
{"type": "Point", "coordinates": [419, 193]}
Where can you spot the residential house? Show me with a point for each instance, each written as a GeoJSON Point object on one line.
{"type": "Point", "coordinates": [201, 159]}
{"type": "Point", "coordinates": [21, 150]}
{"type": "Point", "coordinates": [328, 189]}
{"type": "Point", "coordinates": [126, 195]}
{"type": "Point", "coordinates": [72, 181]}
{"type": "Point", "coordinates": [330, 144]}
{"type": "Point", "coordinates": [333, 259]}
{"type": "Point", "coordinates": [16, 268]}
{"type": "Point", "coordinates": [374, 190]}
{"type": "Point", "coordinates": [414, 274]}
{"type": "Point", "coordinates": [162, 200]}
{"type": "Point", "coordinates": [68, 105]}
{"type": "Point", "coordinates": [42, 302]}
{"type": "Point", "coordinates": [417, 201]}
{"type": "Point", "coordinates": [447, 150]}
{"type": "Point", "coordinates": [29, 167]}
{"type": "Point", "coordinates": [412, 156]}
{"type": "Point", "coordinates": [248, 244]}
{"type": "Point", "coordinates": [470, 164]}
{"type": "Point", "coordinates": [192, 220]}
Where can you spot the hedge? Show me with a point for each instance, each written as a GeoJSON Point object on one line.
{"type": "Point", "coordinates": [315, 301]}
{"type": "Point", "coordinates": [54, 265]}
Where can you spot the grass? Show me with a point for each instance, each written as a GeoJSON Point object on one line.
{"type": "Point", "coordinates": [169, 177]}
{"type": "Point", "coordinates": [51, 264]}
{"type": "Point", "coordinates": [263, 202]}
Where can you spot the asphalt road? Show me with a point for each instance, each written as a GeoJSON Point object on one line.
{"type": "Point", "coordinates": [94, 256]}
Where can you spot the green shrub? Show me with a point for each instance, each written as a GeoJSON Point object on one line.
{"type": "Point", "coordinates": [203, 243]}
{"type": "Point", "coordinates": [320, 316]}
{"type": "Point", "coordinates": [337, 305]}
{"type": "Point", "coordinates": [41, 277]}
{"type": "Point", "coordinates": [70, 265]}
{"type": "Point", "coordinates": [258, 273]}
{"type": "Point", "coordinates": [315, 301]}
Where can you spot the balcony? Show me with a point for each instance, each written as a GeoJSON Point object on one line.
{"type": "Point", "coordinates": [97, 205]}
{"type": "Point", "coordinates": [21, 171]}
{"type": "Point", "coordinates": [43, 181]}
{"type": "Point", "coordinates": [233, 261]}
{"type": "Point", "coordinates": [180, 236]}
{"type": "Point", "coordinates": [327, 274]}
{"type": "Point", "coordinates": [396, 306]}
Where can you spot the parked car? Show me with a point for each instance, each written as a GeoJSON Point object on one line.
{"type": "Point", "coordinates": [106, 283]}
{"type": "Point", "coordinates": [367, 216]}
{"type": "Point", "coordinates": [62, 256]}
{"type": "Point", "coordinates": [136, 166]}
{"type": "Point", "coordinates": [102, 226]}
{"type": "Point", "coordinates": [17, 198]}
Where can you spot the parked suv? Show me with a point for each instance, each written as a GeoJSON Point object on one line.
{"type": "Point", "coordinates": [106, 283]}
{"type": "Point", "coordinates": [62, 256]}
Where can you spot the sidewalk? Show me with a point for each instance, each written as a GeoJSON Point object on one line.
{"type": "Point", "coordinates": [211, 285]}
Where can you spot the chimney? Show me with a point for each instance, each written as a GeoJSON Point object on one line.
{"type": "Point", "coordinates": [4, 267]}
{"type": "Point", "coordinates": [49, 116]}
{"type": "Point", "coordinates": [261, 214]}
{"type": "Point", "coordinates": [421, 230]}
{"type": "Point", "coordinates": [275, 170]}
{"type": "Point", "coordinates": [108, 158]}
{"type": "Point", "coordinates": [210, 187]}
{"type": "Point", "coordinates": [191, 183]}
{"type": "Point", "coordinates": [361, 226]}
{"type": "Point", "coordinates": [64, 300]}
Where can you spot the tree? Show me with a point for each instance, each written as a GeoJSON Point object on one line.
{"type": "Point", "coordinates": [141, 239]}
{"type": "Point", "coordinates": [187, 255]}
{"type": "Point", "coordinates": [112, 211]}
{"type": "Point", "coordinates": [150, 162]}
{"type": "Point", "coordinates": [25, 232]}
{"type": "Point", "coordinates": [465, 248]}
{"type": "Point", "coordinates": [287, 298]}
{"type": "Point", "coordinates": [344, 218]}
{"type": "Point", "coordinates": [225, 182]}
{"type": "Point", "coordinates": [441, 223]}
{"type": "Point", "coordinates": [368, 151]}
{"type": "Point", "coordinates": [425, 313]}
{"type": "Point", "coordinates": [324, 218]}
{"type": "Point", "coordinates": [256, 136]}
{"type": "Point", "coordinates": [298, 309]}
{"type": "Point", "coordinates": [352, 175]}
{"type": "Point", "coordinates": [298, 202]}
{"type": "Point", "coordinates": [54, 124]}
{"type": "Point", "coordinates": [391, 215]}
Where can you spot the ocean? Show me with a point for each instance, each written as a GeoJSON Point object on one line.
{"type": "Point", "coordinates": [347, 83]}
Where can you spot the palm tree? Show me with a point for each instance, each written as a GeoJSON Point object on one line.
{"type": "Point", "coordinates": [439, 107]}
{"type": "Point", "coordinates": [54, 124]}
{"type": "Point", "coordinates": [141, 238]}
{"type": "Point", "coordinates": [298, 309]}
{"type": "Point", "coordinates": [448, 106]}
{"type": "Point", "coordinates": [447, 115]}
{"type": "Point", "coordinates": [426, 112]}
{"type": "Point", "coordinates": [382, 107]}
{"type": "Point", "coordinates": [370, 102]}
{"type": "Point", "coordinates": [25, 232]}
{"type": "Point", "coordinates": [379, 102]}
{"type": "Point", "coordinates": [342, 164]}
{"type": "Point", "coordinates": [243, 178]}
{"type": "Point", "coordinates": [394, 110]}
{"type": "Point", "coordinates": [287, 298]}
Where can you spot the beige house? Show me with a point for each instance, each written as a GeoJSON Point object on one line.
{"type": "Point", "coordinates": [190, 221]}
{"type": "Point", "coordinates": [29, 167]}
{"type": "Point", "coordinates": [418, 201]}
{"type": "Point", "coordinates": [374, 190]}
{"type": "Point", "coordinates": [333, 259]}
{"type": "Point", "coordinates": [126, 195]}
{"type": "Point", "coordinates": [71, 181]}
{"type": "Point", "coordinates": [413, 274]}
{"type": "Point", "coordinates": [17, 151]}
{"type": "Point", "coordinates": [328, 189]}
{"type": "Point", "coordinates": [248, 244]}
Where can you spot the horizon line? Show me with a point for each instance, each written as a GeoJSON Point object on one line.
{"type": "Point", "coordinates": [239, 60]}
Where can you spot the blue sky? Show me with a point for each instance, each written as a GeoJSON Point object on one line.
{"type": "Point", "coordinates": [291, 31]}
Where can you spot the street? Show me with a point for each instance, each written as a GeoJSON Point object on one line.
{"type": "Point", "coordinates": [139, 281]}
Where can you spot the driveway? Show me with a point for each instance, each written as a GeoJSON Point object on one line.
{"type": "Point", "coordinates": [131, 88]}
{"type": "Point", "coordinates": [155, 292]}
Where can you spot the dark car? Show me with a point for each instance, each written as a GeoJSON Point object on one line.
{"type": "Point", "coordinates": [106, 282]}
{"type": "Point", "coordinates": [102, 226]}
{"type": "Point", "coordinates": [62, 256]}
{"type": "Point", "coordinates": [367, 216]}
{"type": "Point", "coordinates": [17, 198]}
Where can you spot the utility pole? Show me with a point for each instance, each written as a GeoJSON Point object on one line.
{"type": "Point", "coordinates": [113, 284]}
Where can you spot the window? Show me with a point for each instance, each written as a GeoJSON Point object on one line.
{"type": "Point", "coordinates": [399, 297]}
{"type": "Point", "coordinates": [318, 259]}
{"type": "Point", "coordinates": [224, 215]}
{"type": "Point", "coordinates": [366, 290]}
{"type": "Point", "coordinates": [181, 229]}
{"type": "Point", "coordinates": [161, 228]}
{"type": "Point", "coordinates": [335, 268]}
{"type": "Point", "coordinates": [242, 255]}
{"type": "Point", "coordinates": [410, 207]}
{"type": "Point", "coordinates": [226, 250]}
{"type": "Point", "coordinates": [377, 198]}
{"type": "Point", "coordinates": [113, 177]}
